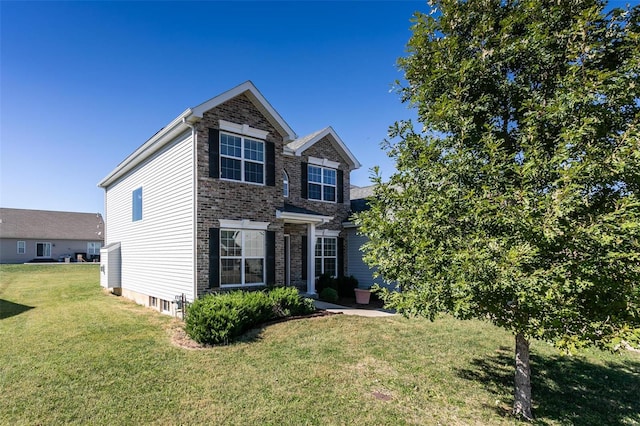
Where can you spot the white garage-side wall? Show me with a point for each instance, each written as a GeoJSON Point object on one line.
{"type": "Point", "coordinates": [157, 256]}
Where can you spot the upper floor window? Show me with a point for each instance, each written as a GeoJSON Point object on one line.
{"type": "Point", "coordinates": [136, 205]}
{"type": "Point", "coordinates": [322, 183]}
{"type": "Point", "coordinates": [285, 184]}
{"type": "Point", "coordinates": [22, 247]}
{"type": "Point", "coordinates": [241, 158]}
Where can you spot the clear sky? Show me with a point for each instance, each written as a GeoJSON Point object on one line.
{"type": "Point", "coordinates": [83, 84]}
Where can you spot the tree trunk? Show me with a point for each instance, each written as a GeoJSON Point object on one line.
{"type": "Point", "coordinates": [522, 390]}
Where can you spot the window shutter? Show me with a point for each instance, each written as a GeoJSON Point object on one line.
{"type": "Point", "coordinates": [214, 153]}
{"type": "Point", "coordinates": [304, 173]}
{"type": "Point", "coordinates": [304, 257]}
{"type": "Point", "coordinates": [270, 163]}
{"type": "Point", "coordinates": [271, 258]}
{"type": "Point", "coordinates": [340, 255]}
{"type": "Point", "coordinates": [339, 185]}
{"type": "Point", "coordinates": [214, 257]}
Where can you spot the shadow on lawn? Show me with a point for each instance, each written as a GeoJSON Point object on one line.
{"type": "Point", "coordinates": [9, 309]}
{"type": "Point", "coordinates": [568, 390]}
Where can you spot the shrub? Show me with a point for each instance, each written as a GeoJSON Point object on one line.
{"type": "Point", "coordinates": [329, 295]}
{"type": "Point", "coordinates": [286, 302]}
{"type": "Point", "coordinates": [345, 285]}
{"type": "Point", "coordinates": [214, 319]}
{"type": "Point", "coordinates": [326, 281]}
{"type": "Point", "coordinates": [222, 317]}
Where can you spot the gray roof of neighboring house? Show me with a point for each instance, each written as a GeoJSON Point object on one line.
{"type": "Point", "coordinates": [50, 225]}
{"type": "Point", "coordinates": [303, 140]}
{"type": "Point", "coordinates": [359, 197]}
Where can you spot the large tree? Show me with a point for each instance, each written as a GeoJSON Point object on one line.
{"type": "Point", "coordinates": [517, 199]}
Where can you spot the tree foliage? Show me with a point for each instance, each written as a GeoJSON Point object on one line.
{"type": "Point", "coordinates": [518, 198]}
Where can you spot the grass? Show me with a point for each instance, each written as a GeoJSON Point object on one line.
{"type": "Point", "coordinates": [71, 354]}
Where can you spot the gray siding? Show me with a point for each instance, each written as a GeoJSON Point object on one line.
{"type": "Point", "coordinates": [9, 249]}
{"type": "Point", "coordinates": [157, 251]}
{"type": "Point", "coordinates": [355, 264]}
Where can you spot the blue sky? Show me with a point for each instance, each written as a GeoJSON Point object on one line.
{"type": "Point", "coordinates": [83, 84]}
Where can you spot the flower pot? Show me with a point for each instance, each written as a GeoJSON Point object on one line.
{"type": "Point", "coordinates": [362, 296]}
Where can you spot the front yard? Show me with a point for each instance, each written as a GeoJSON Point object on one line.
{"type": "Point", "coordinates": [73, 354]}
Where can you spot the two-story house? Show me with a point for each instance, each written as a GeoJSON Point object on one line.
{"type": "Point", "coordinates": [225, 196]}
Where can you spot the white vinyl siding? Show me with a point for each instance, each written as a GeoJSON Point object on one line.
{"type": "Point", "coordinates": [156, 252]}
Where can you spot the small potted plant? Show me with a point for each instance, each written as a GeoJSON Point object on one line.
{"type": "Point", "coordinates": [363, 295]}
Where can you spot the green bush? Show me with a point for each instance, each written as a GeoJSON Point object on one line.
{"type": "Point", "coordinates": [214, 319]}
{"type": "Point", "coordinates": [326, 281]}
{"type": "Point", "coordinates": [329, 295]}
{"type": "Point", "coordinates": [220, 318]}
{"type": "Point", "coordinates": [287, 302]}
{"type": "Point", "coordinates": [345, 285]}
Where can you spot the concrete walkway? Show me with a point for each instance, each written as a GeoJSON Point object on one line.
{"type": "Point", "coordinates": [330, 307]}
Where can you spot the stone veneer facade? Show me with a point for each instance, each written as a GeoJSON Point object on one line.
{"type": "Point", "coordinates": [230, 200]}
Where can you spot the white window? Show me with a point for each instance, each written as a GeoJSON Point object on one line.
{"type": "Point", "coordinates": [322, 183]}
{"type": "Point", "coordinates": [242, 257]}
{"type": "Point", "coordinates": [285, 184]}
{"type": "Point", "coordinates": [43, 249]}
{"type": "Point", "coordinates": [153, 302]}
{"type": "Point", "coordinates": [93, 249]}
{"type": "Point", "coordinates": [241, 158]}
{"type": "Point", "coordinates": [327, 256]}
{"type": "Point", "coordinates": [22, 247]}
{"type": "Point", "coordinates": [165, 306]}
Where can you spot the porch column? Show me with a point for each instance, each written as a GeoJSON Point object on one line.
{"type": "Point", "coordinates": [311, 256]}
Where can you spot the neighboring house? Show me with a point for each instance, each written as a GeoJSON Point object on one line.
{"type": "Point", "coordinates": [356, 266]}
{"type": "Point", "coordinates": [40, 235]}
{"type": "Point", "coordinates": [226, 196]}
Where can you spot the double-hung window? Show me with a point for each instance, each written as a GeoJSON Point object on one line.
{"type": "Point", "coordinates": [327, 256]}
{"type": "Point", "coordinates": [322, 183]}
{"type": "Point", "coordinates": [241, 158]}
{"type": "Point", "coordinates": [22, 247]}
{"type": "Point", "coordinates": [93, 249]}
{"type": "Point", "coordinates": [242, 257]}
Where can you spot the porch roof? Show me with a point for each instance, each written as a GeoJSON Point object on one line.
{"type": "Point", "coordinates": [294, 214]}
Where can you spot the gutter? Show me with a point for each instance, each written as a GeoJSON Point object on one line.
{"type": "Point", "coordinates": [150, 147]}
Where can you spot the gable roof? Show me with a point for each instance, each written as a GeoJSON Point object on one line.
{"type": "Point", "coordinates": [50, 225]}
{"type": "Point", "coordinates": [182, 123]}
{"type": "Point", "coordinates": [251, 91]}
{"type": "Point", "coordinates": [298, 146]}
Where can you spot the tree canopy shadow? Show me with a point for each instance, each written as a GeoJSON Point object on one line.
{"type": "Point", "coordinates": [9, 309]}
{"type": "Point", "coordinates": [566, 390]}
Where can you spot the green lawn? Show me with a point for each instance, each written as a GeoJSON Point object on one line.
{"type": "Point", "coordinates": [70, 353]}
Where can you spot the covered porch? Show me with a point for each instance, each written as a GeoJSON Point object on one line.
{"type": "Point", "coordinates": [299, 245]}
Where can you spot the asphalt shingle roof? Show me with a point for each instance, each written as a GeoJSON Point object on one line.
{"type": "Point", "coordinates": [52, 225]}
